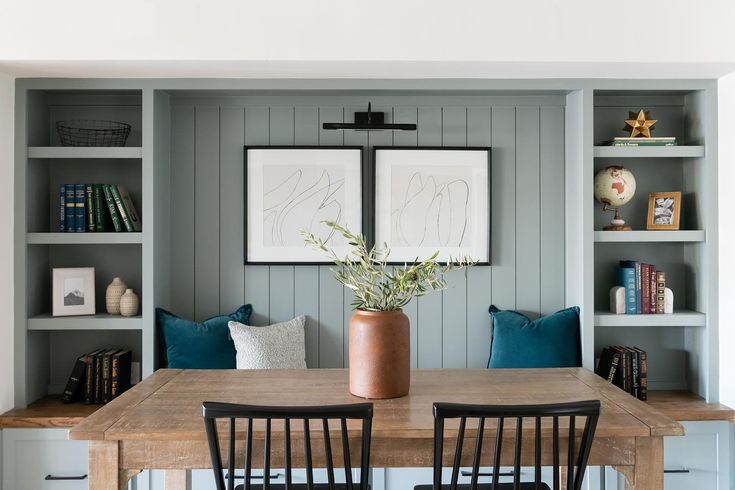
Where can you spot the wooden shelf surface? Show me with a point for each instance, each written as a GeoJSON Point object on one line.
{"type": "Point", "coordinates": [48, 412]}
{"type": "Point", "coordinates": [85, 152]}
{"type": "Point", "coordinates": [684, 406]}
{"type": "Point", "coordinates": [101, 321]}
{"type": "Point", "coordinates": [640, 236]}
{"type": "Point", "coordinates": [681, 151]}
{"type": "Point", "coordinates": [680, 318]}
{"type": "Point", "coordinates": [84, 238]}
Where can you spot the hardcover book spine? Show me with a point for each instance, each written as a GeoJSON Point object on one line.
{"type": "Point", "coordinates": [129, 208]}
{"type": "Point", "coordinates": [614, 367]}
{"type": "Point", "coordinates": [89, 380]}
{"type": "Point", "coordinates": [627, 280]}
{"type": "Point", "coordinates": [98, 380]}
{"type": "Point", "coordinates": [121, 208]}
{"type": "Point", "coordinates": [638, 296]}
{"type": "Point", "coordinates": [62, 213]}
{"type": "Point", "coordinates": [112, 208]}
{"type": "Point", "coordinates": [74, 384]}
{"type": "Point", "coordinates": [80, 215]}
{"type": "Point", "coordinates": [71, 209]}
{"type": "Point", "coordinates": [634, 373]}
{"type": "Point", "coordinates": [645, 284]}
{"type": "Point", "coordinates": [660, 291]}
{"type": "Point", "coordinates": [106, 378]}
{"type": "Point", "coordinates": [652, 289]}
{"type": "Point", "coordinates": [91, 225]}
{"type": "Point", "coordinates": [643, 367]}
{"type": "Point", "coordinates": [99, 208]}
{"type": "Point", "coordinates": [121, 373]}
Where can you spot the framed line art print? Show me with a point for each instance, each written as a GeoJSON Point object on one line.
{"type": "Point", "coordinates": [664, 211]}
{"type": "Point", "coordinates": [429, 199]}
{"type": "Point", "coordinates": [293, 188]}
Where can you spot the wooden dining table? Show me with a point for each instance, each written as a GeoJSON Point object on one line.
{"type": "Point", "coordinates": [158, 423]}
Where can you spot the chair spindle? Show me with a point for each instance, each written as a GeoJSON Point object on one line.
{"type": "Point", "coordinates": [458, 453]}
{"type": "Point", "coordinates": [346, 454]}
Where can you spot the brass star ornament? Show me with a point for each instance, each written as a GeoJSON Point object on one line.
{"type": "Point", "coordinates": [639, 124]}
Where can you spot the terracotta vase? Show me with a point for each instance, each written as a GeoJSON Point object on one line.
{"type": "Point", "coordinates": [129, 303]}
{"type": "Point", "coordinates": [114, 292]}
{"type": "Point", "coordinates": [380, 354]}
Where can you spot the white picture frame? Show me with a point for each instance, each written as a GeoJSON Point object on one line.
{"type": "Point", "coordinates": [73, 291]}
{"type": "Point", "coordinates": [292, 188]}
{"type": "Point", "coordinates": [429, 199]}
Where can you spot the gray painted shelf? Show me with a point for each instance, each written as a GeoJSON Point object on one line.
{"type": "Point", "coordinates": [649, 151]}
{"type": "Point", "coordinates": [84, 238]}
{"type": "Point", "coordinates": [101, 321]}
{"type": "Point", "coordinates": [680, 318]}
{"type": "Point", "coordinates": [84, 152]}
{"type": "Point", "coordinates": [650, 236]}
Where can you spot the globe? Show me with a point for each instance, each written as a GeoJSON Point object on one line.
{"type": "Point", "coordinates": [614, 187]}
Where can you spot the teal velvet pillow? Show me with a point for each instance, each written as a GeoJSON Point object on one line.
{"type": "Point", "coordinates": [205, 345]}
{"type": "Point", "coordinates": [547, 342]}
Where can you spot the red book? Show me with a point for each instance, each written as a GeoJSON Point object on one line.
{"type": "Point", "coordinates": [645, 289]}
{"type": "Point", "coordinates": [652, 290]}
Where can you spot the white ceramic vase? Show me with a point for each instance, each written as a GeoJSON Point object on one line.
{"type": "Point", "coordinates": [114, 292]}
{"type": "Point", "coordinates": [129, 303]}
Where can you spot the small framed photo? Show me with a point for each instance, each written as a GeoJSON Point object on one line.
{"type": "Point", "coordinates": [664, 211]}
{"type": "Point", "coordinates": [429, 199]}
{"type": "Point", "coordinates": [294, 188]}
{"type": "Point", "coordinates": [73, 291]}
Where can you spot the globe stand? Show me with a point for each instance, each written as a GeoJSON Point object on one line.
{"type": "Point", "coordinates": [617, 223]}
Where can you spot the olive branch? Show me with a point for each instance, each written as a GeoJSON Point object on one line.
{"type": "Point", "coordinates": [376, 286]}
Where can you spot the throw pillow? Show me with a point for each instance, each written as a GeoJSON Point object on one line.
{"type": "Point", "coordinates": [549, 341]}
{"type": "Point", "coordinates": [279, 346]}
{"type": "Point", "coordinates": [194, 345]}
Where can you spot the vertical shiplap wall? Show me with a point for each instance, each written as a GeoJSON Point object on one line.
{"type": "Point", "coordinates": [448, 329]}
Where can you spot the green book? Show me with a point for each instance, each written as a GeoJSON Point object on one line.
{"type": "Point", "coordinates": [130, 210]}
{"type": "Point", "coordinates": [100, 214]}
{"type": "Point", "coordinates": [89, 193]}
{"type": "Point", "coordinates": [121, 208]}
{"type": "Point", "coordinates": [116, 224]}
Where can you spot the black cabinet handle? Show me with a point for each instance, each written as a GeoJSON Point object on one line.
{"type": "Point", "coordinates": [65, 478]}
{"type": "Point", "coordinates": [253, 477]}
{"type": "Point", "coordinates": [502, 473]}
{"type": "Point", "coordinates": [683, 470]}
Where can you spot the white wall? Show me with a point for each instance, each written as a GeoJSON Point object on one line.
{"type": "Point", "coordinates": [405, 30]}
{"type": "Point", "coordinates": [6, 242]}
{"type": "Point", "coordinates": [726, 170]}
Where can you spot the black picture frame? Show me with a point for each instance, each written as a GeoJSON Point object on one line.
{"type": "Point", "coordinates": [373, 197]}
{"type": "Point", "coordinates": [363, 198]}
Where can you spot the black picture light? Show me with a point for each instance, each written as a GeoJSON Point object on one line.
{"type": "Point", "coordinates": [370, 121]}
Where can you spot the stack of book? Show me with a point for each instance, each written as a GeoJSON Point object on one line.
{"type": "Point", "coordinates": [653, 141]}
{"type": "Point", "coordinates": [626, 368]}
{"type": "Point", "coordinates": [644, 285]}
{"type": "Point", "coordinates": [99, 376]}
{"type": "Point", "coordinates": [96, 208]}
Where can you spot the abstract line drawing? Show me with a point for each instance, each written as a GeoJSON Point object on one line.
{"type": "Point", "coordinates": [433, 200]}
{"type": "Point", "coordinates": [430, 210]}
{"type": "Point", "coordinates": [296, 198]}
{"type": "Point", "coordinates": [289, 189]}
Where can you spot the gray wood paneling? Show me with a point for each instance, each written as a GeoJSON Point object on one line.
{"type": "Point", "coordinates": [450, 328]}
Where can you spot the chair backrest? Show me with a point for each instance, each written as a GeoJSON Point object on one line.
{"type": "Point", "coordinates": [576, 456]}
{"type": "Point", "coordinates": [215, 410]}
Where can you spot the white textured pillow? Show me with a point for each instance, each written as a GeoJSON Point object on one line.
{"type": "Point", "coordinates": [279, 346]}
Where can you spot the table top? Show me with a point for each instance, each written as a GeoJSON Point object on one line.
{"type": "Point", "coordinates": [167, 405]}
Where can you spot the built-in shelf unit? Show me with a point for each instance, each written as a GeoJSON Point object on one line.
{"type": "Point", "coordinates": [157, 164]}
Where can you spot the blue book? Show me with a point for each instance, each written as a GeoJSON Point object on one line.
{"type": "Point", "coordinates": [626, 278]}
{"type": "Point", "coordinates": [636, 266]}
{"type": "Point", "coordinates": [70, 208]}
{"type": "Point", "coordinates": [62, 208]}
{"type": "Point", "coordinates": [81, 209]}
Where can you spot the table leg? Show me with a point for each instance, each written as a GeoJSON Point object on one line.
{"type": "Point", "coordinates": [177, 480]}
{"type": "Point", "coordinates": [648, 471]}
{"type": "Point", "coordinates": [104, 472]}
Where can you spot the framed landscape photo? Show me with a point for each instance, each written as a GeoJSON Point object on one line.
{"type": "Point", "coordinates": [294, 188]}
{"type": "Point", "coordinates": [73, 291]}
{"type": "Point", "coordinates": [429, 199]}
{"type": "Point", "coordinates": [664, 211]}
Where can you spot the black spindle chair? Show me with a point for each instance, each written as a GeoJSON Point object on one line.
{"type": "Point", "coordinates": [215, 410]}
{"type": "Point", "coordinates": [577, 455]}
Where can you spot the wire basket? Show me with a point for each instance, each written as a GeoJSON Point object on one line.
{"type": "Point", "coordinates": [83, 132]}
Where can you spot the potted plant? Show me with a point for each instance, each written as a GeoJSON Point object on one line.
{"type": "Point", "coordinates": [379, 342]}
